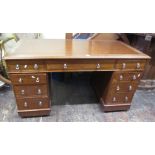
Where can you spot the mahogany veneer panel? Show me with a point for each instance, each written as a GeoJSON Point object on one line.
{"type": "Point", "coordinates": [120, 87]}
{"type": "Point", "coordinates": [131, 64]}
{"type": "Point", "coordinates": [18, 79]}
{"type": "Point", "coordinates": [127, 76]}
{"type": "Point", "coordinates": [120, 98]}
{"type": "Point", "coordinates": [80, 65]}
{"type": "Point", "coordinates": [72, 49]}
{"type": "Point", "coordinates": [35, 112]}
{"type": "Point", "coordinates": [32, 103]}
{"type": "Point", "coordinates": [31, 90]}
{"type": "Point", "coordinates": [26, 66]}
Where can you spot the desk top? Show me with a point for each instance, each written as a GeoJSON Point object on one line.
{"type": "Point", "coordinates": [73, 49]}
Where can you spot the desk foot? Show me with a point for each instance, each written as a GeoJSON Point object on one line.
{"type": "Point", "coordinates": [34, 113]}
{"type": "Point", "coordinates": [114, 107]}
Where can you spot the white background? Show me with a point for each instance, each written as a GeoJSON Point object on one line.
{"type": "Point", "coordinates": [56, 18]}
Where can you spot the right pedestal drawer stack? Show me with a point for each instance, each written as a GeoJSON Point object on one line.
{"type": "Point", "coordinates": [122, 85]}
{"type": "Point", "coordinates": [121, 89]}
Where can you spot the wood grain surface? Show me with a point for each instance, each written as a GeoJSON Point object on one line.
{"type": "Point", "coordinates": [57, 48]}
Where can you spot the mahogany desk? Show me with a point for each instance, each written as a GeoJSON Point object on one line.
{"type": "Point", "coordinates": [29, 65]}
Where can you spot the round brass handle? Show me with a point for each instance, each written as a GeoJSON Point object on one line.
{"type": "Point", "coordinates": [40, 103]}
{"type": "Point", "coordinates": [121, 77]}
{"type": "Point", "coordinates": [124, 65]}
{"type": "Point", "coordinates": [114, 99]}
{"type": "Point", "coordinates": [22, 91]}
{"type": "Point", "coordinates": [134, 77]}
{"type": "Point", "coordinates": [37, 79]}
{"type": "Point", "coordinates": [126, 99]}
{"type": "Point", "coordinates": [118, 88]}
{"type": "Point", "coordinates": [25, 66]}
{"type": "Point", "coordinates": [25, 104]}
{"type": "Point", "coordinates": [98, 66]}
{"type": "Point", "coordinates": [39, 91]}
{"type": "Point", "coordinates": [139, 75]}
{"type": "Point", "coordinates": [20, 80]}
{"type": "Point", "coordinates": [138, 65]}
{"type": "Point", "coordinates": [65, 66]}
{"type": "Point", "coordinates": [130, 88]}
{"type": "Point", "coordinates": [17, 67]}
{"type": "Point", "coordinates": [36, 66]}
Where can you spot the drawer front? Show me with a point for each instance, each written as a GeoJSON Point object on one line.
{"type": "Point", "coordinates": [118, 98]}
{"type": "Point", "coordinates": [30, 91]}
{"type": "Point", "coordinates": [20, 79]}
{"type": "Point", "coordinates": [128, 76]}
{"type": "Point", "coordinates": [25, 66]}
{"type": "Point", "coordinates": [62, 65]}
{"type": "Point", "coordinates": [131, 64]}
{"type": "Point", "coordinates": [123, 87]}
{"type": "Point", "coordinates": [33, 103]}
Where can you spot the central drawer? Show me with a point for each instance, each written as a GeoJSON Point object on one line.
{"type": "Point", "coordinates": [81, 65]}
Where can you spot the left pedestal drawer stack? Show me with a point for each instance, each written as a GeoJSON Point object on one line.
{"type": "Point", "coordinates": [32, 93]}
{"type": "Point", "coordinates": [31, 87]}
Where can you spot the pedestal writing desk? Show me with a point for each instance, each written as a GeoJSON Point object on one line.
{"type": "Point", "coordinates": [29, 65]}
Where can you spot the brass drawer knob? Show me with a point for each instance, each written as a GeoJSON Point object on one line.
{"type": "Point", "coordinates": [40, 103]}
{"type": "Point", "coordinates": [114, 99]}
{"type": "Point", "coordinates": [139, 75]}
{"type": "Point", "coordinates": [98, 66]}
{"type": "Point", "coordinates": [37, 79]}
{"type": "Point", "coordinates": [17, 67]}
{"type": "Point", "coordinates": [25, 104]}
{"type": "Point", "coordinates": [130, 88]}
{"type": "Point", "coordinates": [20, 80]}
{"type": "Point", "coordinates": [118, 88]}
{"type": "Point", "coordinates": [123, 65]}
{"type": "Point", "coordinates": [36, 66]}
{"type": "Point", "coordinates": [126, 99]}
{"type": "Point", "coordinates": [25, 66]}
{"type": "Point", "coordinates": [22, 91]}
{"type": "Point", "coordinates": [39, 91]}
{"type": "Point", "coordinates": [65, 66]}
{"type": "Point", "coordinates": [121, 77]}
{"type": "Point", "coordinates": [134, 77]}
{"type": "Point", "coordinates": [138, 65]}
